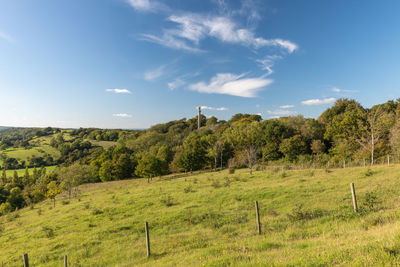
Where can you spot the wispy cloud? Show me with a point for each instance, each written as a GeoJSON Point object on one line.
{"type": "Point", "coordinates": [178, 82]}
{"type": "Point", "coordinates": [170, 41]}
{"type": "Point", "coordinates": [119, 91]}
{"type": "Point", "coordinates": [317, 102]}
{"type": "Point", "coordinates": [182, 80]}
{"type": "Point", "coordinates": [147, 5]}
{"type": "Point", "coordinates": [231, 84]}
{"type": "Point", "coordinates": [287, 106]}
{"type": "Point", "coordinates": [282, 112]}
{"type": "Point", "coordinates": [211, 108]}
{"type": "Point", "coordinates": [6, 37]}
{"type": "Point", "coordinates": [191, 28]}
{"type": "Point", "coordinates": [338, 90]}
{"type": "Point", "coordinates": [122, 115]}
{"type": "Point", "coordinates": [154, 74]}
{"type": "Point", "coordinates": [268, 62]}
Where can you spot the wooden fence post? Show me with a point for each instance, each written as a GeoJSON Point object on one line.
{"type": "Point", "coordinates": [388, 159]}
{"type": "Point", "coordinates": [258, 218]}
{"type": "Point", "coordinates": [147, 238]}
{"type": "Point", "coordinates": [65, 261]}
{"type": "Point", "coordinates": [26, 261]}
{"type": "Point", "coordinates": [344, 164]}
{"type": "Point", "coordinates": [353, 194]}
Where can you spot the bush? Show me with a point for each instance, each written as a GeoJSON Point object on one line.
{"type": "Point", "coordinates": [96, 212]}
{"type": "Point", "coordinates": [188, 189]}
{"type": "Point", "coordinates": [227, 182]}
{"type": "Point", "coordinates": [369, 172]}
{"type": "Point", "coordinates": [215, 184]}
{"type": "Point", "coordinates": [48, 231]}
{"type": "Point", "coordinates": [371, 201]}
{"type": "Point", "coordinates": [5, 208]}
{"type": "Point", "coordinates": [167, 201]}
{"type": "Point", "coordinates": [299, 214]}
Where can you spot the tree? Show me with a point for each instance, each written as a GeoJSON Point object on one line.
{"type": "Point", "coordinates": [192, 155]}
{"type": "Point", "coordinates": [26, 179]}
{"type": "Point", "coordinates": [149, 166]}
{"type": "Point", "coordinates": [317, 147]}
{"type": "Point", "coordinates": [211, 121]}
{"type": "Point", "coordinates": [15, 179]}
{"type": "Point", "coordinates": [292, 147]}
{"type": "Point", "coordinates": [395, 139]}
{"type": "Point", "coordinates": [273, 132]}
{"type": "Point", "coordinates": [379, 124]}
{"type": "Point", "coordinates": [72, 176]}
{"type": "Point", "coordinates": [52, 191]}
{"type": "Point", "coordinates": [4, 176]}
{"type": "Point", "coordinates": [246, 136]}
{"type": "Point", "coordinates": [346, 124]}
{"type": "Point", "coordinates": [106, 171]}
{"type": "Point", "coordinates": [15, 198]}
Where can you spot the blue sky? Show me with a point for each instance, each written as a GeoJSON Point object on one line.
{"type": "Point", "coordinates": [135, 63]}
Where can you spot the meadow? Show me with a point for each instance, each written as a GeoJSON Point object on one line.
{"type": "Point", "coordinates": [208, 219]}
{"type": "Point", "coordinates": [21, 172]}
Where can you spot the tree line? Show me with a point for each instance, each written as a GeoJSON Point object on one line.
{"type": "Point", "coordinates": [344, 132]}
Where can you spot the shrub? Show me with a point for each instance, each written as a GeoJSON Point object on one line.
{"type": "Point", "coordinates": [188, 189]}
{"type": "Point", "coordinates": [96, 212]}
{"type": "Point", "coordinates": [167, 201]}
{"type": "Point", "coordinates": [300, 214]}
{"type": "Point", "coordinates": [48, 231]}
{"type": "Point", "coordinates": [369, 172]}
{"type": "Point", "coordinates": [227, 182]}
{"type": "Point", "coordinates": [371, 201]}
{"type": "Point", "coordinates": [215, 184]}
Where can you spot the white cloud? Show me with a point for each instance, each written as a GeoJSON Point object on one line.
{"type": "Point", "coordinates": [316, 102]}
{"type": "Point", "coordinates": [230, 84]}
{"type": "Point", "coordinates": [192, 28]}
{"type": "Point", "coordinates": [147, 5]}
{"type": "Point", "coordinates": [268, 62]}
{"type": "Point", "coordinates": [6, 37]}
{"type": "Point", "coordinates": [211, 108]}
{"type": "Point", "coordinates": [119, 91]}
{"type": "Point", "coordinates": [282, 112]}
{"type": "Point", "coordinates": [122, 115]}
{"type": "Point", "coordinates": [154, 74]}
{"type": "Point", "coordinates": [338, 90]}
{"type": "Point", "coordinates": [287, 106]}
{"type": "Point", "coordinates": [170, 41]}
{"type": "Point", "coordinates": [176, 84]}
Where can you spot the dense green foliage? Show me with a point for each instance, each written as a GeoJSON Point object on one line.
{"type": "Point", "coordinates": [344, 133]}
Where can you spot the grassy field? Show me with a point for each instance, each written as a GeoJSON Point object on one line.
{"type": "Point", "coordinates": [21, 172]}
{"type": "Point", "coordinates": [104, 144]}
{"type": "Point", "coordinates": [208, 219]}
{"type": "Point", "coordinates": [24, 154]}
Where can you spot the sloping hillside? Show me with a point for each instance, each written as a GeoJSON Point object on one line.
{"type": "Point", "coordinates": [208, 219]}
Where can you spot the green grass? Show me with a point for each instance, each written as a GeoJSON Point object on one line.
{"type": "Point", "coordinates": [208, 219]}
{"type": "Point", "coordinates": [24, 154]}
{"type": "Point", "coordinates": [21, 172]}
{"type": "Point", "coordinates": [104, 144]}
